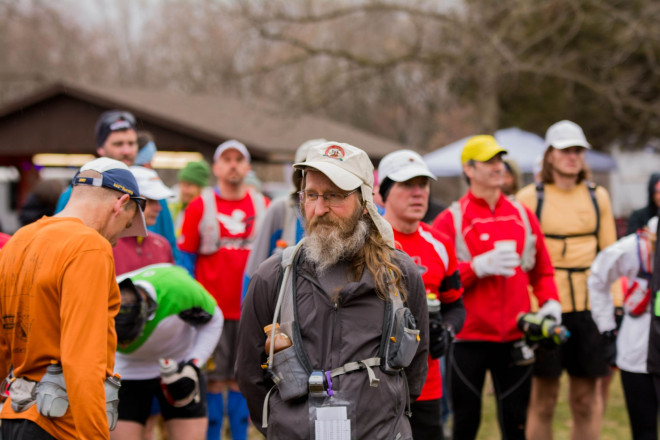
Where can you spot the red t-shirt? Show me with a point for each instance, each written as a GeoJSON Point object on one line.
{"type": "Point", "coordinates": [4, 238]}
{"type": "Point", "coordinates": [434, 254]}
{"type": "Point", "coordinates": [132, 253]}
{"type": "Point", "coordinates": [221, 273]}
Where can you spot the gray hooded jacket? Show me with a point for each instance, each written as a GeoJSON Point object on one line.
{"type": "Point", "coordinates": [347, 328]}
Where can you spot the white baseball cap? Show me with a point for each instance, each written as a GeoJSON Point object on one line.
{"type": "Point", "coordinates": [150, 184]}
{"type": "Point", "coordinates": [565, 134]}
{"type": "Point", "coordinates": [231, 144]}
{"type": "Point", "coordinates": [402, 165]}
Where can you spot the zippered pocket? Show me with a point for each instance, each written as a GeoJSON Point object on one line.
{"type": "Point", "coordinates": [404, 339]}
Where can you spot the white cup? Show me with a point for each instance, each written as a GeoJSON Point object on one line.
{"type": "Point", "coordinates": [508, 245]}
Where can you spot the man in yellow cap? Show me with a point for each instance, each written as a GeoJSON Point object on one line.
{"type": "Point", "coordinates": [501, 252]}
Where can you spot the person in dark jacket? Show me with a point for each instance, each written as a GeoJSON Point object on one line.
{"type": "Point", "coordinates": [346, 279]}
{"type": "Point", "coordinates": [41, 201]}
{"type": "Point", "coordinates": [653, 359]}
{"type": "Point", "coordinates": [640, 217]}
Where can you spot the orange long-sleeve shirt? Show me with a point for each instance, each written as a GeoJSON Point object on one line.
{"type": "Point", "coordinates": [58, 300]}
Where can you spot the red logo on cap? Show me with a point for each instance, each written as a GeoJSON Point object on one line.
{"type": "Point", "coordinates": [334, 152]}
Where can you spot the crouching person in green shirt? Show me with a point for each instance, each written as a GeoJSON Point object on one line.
{"type": "Point", "coordinates": [167, 328]}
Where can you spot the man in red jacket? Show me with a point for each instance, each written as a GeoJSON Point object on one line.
{"type": "Point", "coordinates": [404, 187]}
{"type": "Point", "coordinates": [501, 252]}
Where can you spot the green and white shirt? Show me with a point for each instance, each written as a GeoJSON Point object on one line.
{"type": "Point", "coordinates": [187, 323]}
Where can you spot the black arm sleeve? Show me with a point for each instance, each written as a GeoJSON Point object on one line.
{"type": "Point", "coordinates": [453, 314]}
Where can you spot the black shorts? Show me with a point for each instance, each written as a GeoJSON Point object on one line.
{"type": "Point", "coordinates": [23, 429]}
{"type": "Point", "coordinates": [220, 366]}
{"type": "Point", "coordinates": [136, 397]}
{"type": "Point", "coordinates": [581, 355]}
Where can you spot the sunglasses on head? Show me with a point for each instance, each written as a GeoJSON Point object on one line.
{"type": "Point", "coordinates": [115, 116]}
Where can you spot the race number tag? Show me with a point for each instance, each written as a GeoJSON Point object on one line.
{"type": "Point", "coordinates": [332, 423]}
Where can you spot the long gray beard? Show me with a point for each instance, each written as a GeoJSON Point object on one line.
{"type": "Point", "coordinates": [326, 246]}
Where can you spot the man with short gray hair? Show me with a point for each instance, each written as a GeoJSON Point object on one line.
{"type": "Point", "coordinates": [59, 297]}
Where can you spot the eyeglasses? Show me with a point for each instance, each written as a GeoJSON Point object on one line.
{"type": "Point", "coordinates": [140, 201]}
{"type": "Point", "coordinates": [332, 199]}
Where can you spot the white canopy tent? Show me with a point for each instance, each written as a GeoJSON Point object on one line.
{"type": "Point", "coordinates": [524, 147]}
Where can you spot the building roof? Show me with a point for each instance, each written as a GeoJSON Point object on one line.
{"type": "Point", "coordinates": [178, 120]}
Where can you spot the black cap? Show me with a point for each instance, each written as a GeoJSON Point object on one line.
{"type": "Point", "coordinates": [111, 121]}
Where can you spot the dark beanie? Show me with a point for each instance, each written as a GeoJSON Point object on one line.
{"type": "Point", "coordinates": [385, 187]}
{"type": "Point", "coordinates": [197, 173]}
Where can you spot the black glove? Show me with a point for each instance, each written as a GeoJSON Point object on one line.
{"type": "Point", "coordinates": [608, 340]}
{"type": "Point", "coordinates": [618, 316]}
{"type": "Point", "coordinates": [439, 337]}
{"type": "Point", "coordinates": [182, 387]}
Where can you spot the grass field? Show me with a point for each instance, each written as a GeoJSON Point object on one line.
{"type": "Point", "coordinates": [615, 424]}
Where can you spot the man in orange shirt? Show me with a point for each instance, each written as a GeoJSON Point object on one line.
{"type": "Point", "coordinates": [59, 297]}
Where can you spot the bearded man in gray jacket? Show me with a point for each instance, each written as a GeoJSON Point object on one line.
{"type": "Point", "coordinates": [352, 307]}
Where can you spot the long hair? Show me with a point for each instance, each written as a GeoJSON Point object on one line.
{"type": "Point", "coordinates": [378, 258]}
{"type": "Point", "coordinates": [546, 170]}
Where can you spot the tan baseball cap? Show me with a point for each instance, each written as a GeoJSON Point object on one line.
{"type": "Point", "coordinates": [347, 166]}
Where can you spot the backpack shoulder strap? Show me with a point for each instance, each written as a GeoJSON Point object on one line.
{"type": "Point", "coordinates": [259, 208]}
{"type": "Point", "coordinates": [290, 223]}
{"type": "Point", "coordinates": [462, 252]}
{"type": "Point", "coordinates": [528, 257]}
{"type": "Point", "coordinates": [591, 187]}
{"type": "Point", "coordinates": [391, 307]}
{"type": "Point", "coordinates": [285, 297]}
{"type": "Point", "coordinates": [644, 255]}
{"type": "Point", "coordinates": [209, 229]}
{"type": "Point", "coordinates": [540, 196]}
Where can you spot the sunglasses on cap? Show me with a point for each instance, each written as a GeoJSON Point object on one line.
{"type": "Point", "coordinates": [113, 116]}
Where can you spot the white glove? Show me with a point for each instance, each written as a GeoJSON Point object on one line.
{"type": "Point", "coordinates": [181, 387]}
{"type": "Point", "coordinates": [551, 308]}
{"type": "Point", "coordinates": [499, 261]}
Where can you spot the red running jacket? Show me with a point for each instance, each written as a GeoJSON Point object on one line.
{"type": "Point", "coordinates": [493, 303]}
